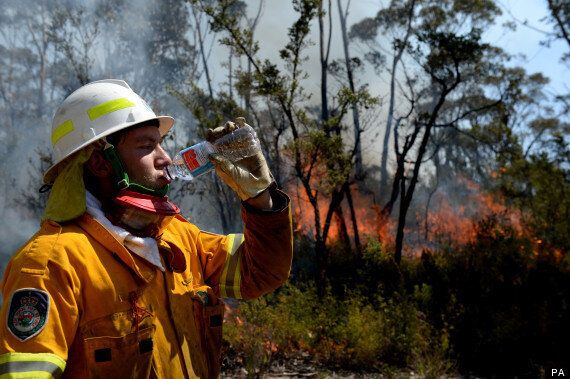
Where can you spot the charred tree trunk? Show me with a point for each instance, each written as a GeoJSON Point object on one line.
{"type": "Point", "coordinates": [342, 229]}
{"type": "Point", "coordinates": [400, 168]}
{"type": "Point", "coordinates": [322, 258]}
{"type": "Point", "coordinates": [401, 222]}
{"type": "Point", "coordinates": [430, 196]}
{"type": "Point", "coordinates": [322, 251]}
{"type": "Point", "coordinates": [353, 219]}
{"type": "Point", "coordinates": [406, 194]}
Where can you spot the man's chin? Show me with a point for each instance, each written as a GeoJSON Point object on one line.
{"type": "Point", "coordinates": [162, 182]}
{"type": "Point", "coordinates": [158, 187]}
{"type": "Point", "coordinates": [155, 183]}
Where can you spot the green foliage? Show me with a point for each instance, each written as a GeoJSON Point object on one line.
{"type": "Point", "coordinates": [209, 112]}
{"type": "Point", "coordinates": [225, 15]}
{"type": "Point", "coordinates": [495, 307]}
{"type": "Point", "coordinates": [560, 17]}
{"type": "Point", "coordinates": [307, 10]}
{"type": "Point", "coordinates": [540, 187]}
{"type": "Point", "coordinates": [487, 296]}
{"type": "Point", "coordinates": [269, 82]}
{"type": "Point", "coordinates": [449, 51]}
{"type": "Point", "coordinates": [352, 333]}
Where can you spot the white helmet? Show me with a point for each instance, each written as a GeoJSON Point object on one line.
{"type": "Point", "coordinates": [94, 111]}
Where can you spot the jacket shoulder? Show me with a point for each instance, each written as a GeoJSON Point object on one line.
{"type": "Point", "coordinates": [181, 226]}
{"type": "Point", "coordinates": [52, 242]}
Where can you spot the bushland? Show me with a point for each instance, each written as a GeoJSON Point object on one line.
{"type": "Point", "coordinates": [495, 307]}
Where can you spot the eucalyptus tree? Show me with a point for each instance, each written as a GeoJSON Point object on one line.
{"type": "Point", "coordinates": [439, 66]}
{"type": "Point", "coordinates": [314, 143]}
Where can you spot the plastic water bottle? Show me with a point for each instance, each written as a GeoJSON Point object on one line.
{"type": "Point", "coordinates": [191, 162]}
{"type": "Point", "coordinates": [194, 161]}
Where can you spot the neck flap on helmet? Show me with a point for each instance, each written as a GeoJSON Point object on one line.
{"type": "Point", "coordinates": [122, 181]}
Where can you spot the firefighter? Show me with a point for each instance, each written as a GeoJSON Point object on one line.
{"type": "Point", "coordinates": [116, 283]}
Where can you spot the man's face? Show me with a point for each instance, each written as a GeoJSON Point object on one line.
{"type": "Point", "coordinates": [143, 157]}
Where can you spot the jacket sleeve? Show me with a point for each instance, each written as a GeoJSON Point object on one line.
{"type": "Point", "coordinates": [39, 314]}
{"type": "Point", "coordinates": [248, 265]}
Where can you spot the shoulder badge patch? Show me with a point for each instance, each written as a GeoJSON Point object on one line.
{"type": "Point", "coordinates": [28, 312]}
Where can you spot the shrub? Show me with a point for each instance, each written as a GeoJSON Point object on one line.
{"type": "Point", "coordinates": [495, 307]}
{"type": "Point", "coordinates": [353, 333]}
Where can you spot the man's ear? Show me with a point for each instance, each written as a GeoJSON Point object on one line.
{"type": "Point", "coordinates": [98, 165]}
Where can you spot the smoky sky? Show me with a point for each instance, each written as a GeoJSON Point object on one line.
{"type": "Point", "coordinates": [120, 36]}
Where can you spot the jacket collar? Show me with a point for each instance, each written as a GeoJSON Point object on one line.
{"type": "Point", "coordinates": [96, 230]}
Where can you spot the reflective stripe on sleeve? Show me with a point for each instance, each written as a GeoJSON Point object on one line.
{"type": "Point", "coordinates": [108, 107]}
{"type": "Point", "coordinates": [230, 281]}
{"type": "Point", "coordinates": [31, 365]}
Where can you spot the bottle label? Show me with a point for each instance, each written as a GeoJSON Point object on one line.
{"type": "Point", "coordinates": [196, 159]}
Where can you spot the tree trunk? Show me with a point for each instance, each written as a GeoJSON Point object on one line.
{"type": "Point", "coordinates": [320, 245]}
{"type": "Point", "coordinates": [322, 263]}
{"type": "Point", "coordinates": [436, 163]}
{"type": "Point", "coordinates": [252, 28]}
{"type": "Point", "coordinates": [358, 169]}
{"type": "Point", "coordinates": [390, 118]}
{"type": "Point", "coordinates": [353, 219]}
{"type": "Point", "coordinates": [222, 207]}
{"type": "Point", "coordinates": [277, 124]}
{"type": "Point", "coordinates": [203, 52]}
{"type": "Point", "coordinates": [555, 10]}
{"type": "Point", "coordinates": [324, 59]}
{"type": "Point", "coordinates": [342, 229]}
{"type": "Point", "coordinates": [321, 253]}
{"type": "Point", "coordinates": [406, 195]}
{"type": "Point", "coordinates": [230, 74]}
{"type": "Point", "coordinates": [401, 222]}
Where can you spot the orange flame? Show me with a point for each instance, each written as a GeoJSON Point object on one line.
{"type": "Point", "coordinates": [369, 220]}
{"type": "Point", "coordinates": [444, 223]}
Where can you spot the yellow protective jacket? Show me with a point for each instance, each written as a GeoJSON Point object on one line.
{"type": "Point", "coordinates": [78, 304]}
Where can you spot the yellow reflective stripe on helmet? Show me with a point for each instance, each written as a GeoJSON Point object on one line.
{"type": "Point", "coordinates": [108, 107]}
{"type": "Point", "coordinates": [230, 281]}
{"type": "Point", "coordinates": [31, 365]}
{"type": "Point", "coordinates": [61, 130]}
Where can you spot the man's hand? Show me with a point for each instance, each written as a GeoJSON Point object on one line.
{"type": "Point", "coordinates": [249, 177]}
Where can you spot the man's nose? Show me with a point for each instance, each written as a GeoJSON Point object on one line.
{"type": "Point", "coordinates": [163, 157]}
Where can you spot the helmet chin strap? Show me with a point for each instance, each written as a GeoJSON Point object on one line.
{"type": "Point", "coordinates": [123, 182]}
{"type": "Point", "coordinates": [143, 211]}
